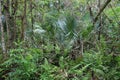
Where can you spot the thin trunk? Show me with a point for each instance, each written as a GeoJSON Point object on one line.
{"type": "Point", "coordinates": [32, 20]}
{"type": "Point", "coordinates": [9, 23]}
{"type": "Point", "coordinates": [6, 11]}
{"type": "Point", "coordinates": [91, 14]}
{"type": "Point", "coordinates": [2, 31]}
{"type": "Point", "coordinates": [23, 22]}
{"type": "Point", "coordinates": [100, 21]}
{"type": "Point", "coordinates": [14, 14]}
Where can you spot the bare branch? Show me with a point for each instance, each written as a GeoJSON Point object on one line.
{"type": "Point", "coordinates": [101, 10]}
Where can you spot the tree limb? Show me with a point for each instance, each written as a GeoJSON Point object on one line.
{"type": "Point", "coordinates": [101, 10]}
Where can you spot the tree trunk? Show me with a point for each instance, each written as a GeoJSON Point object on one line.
{"type": "Point", "coordinates": [2, 31]}
{"type": "Point", "coordinates": [23, 21]}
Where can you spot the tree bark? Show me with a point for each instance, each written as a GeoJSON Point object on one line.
{"type": "Point", "coordinates": [23, 22]}
{"type": "Point", "coordinates": [2, 31]}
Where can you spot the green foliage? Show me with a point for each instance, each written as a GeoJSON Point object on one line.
{"type": "Point", "coordinates": [111, 13]}
{"type": "Point", "coordinates": [22, 66]}
{"type": "Point", "coordinates": [31, 64]}
{"type": "Point", "coordinates": [61, 42]}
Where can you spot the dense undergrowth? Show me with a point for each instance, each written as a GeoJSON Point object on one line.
{"type": "Point", "coordinates": [60, 40]}
{"type": "Point", "coordinates": [43, 64]}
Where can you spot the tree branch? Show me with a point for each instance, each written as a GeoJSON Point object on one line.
{"type": "Point", "coordinates": [101, 10]}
